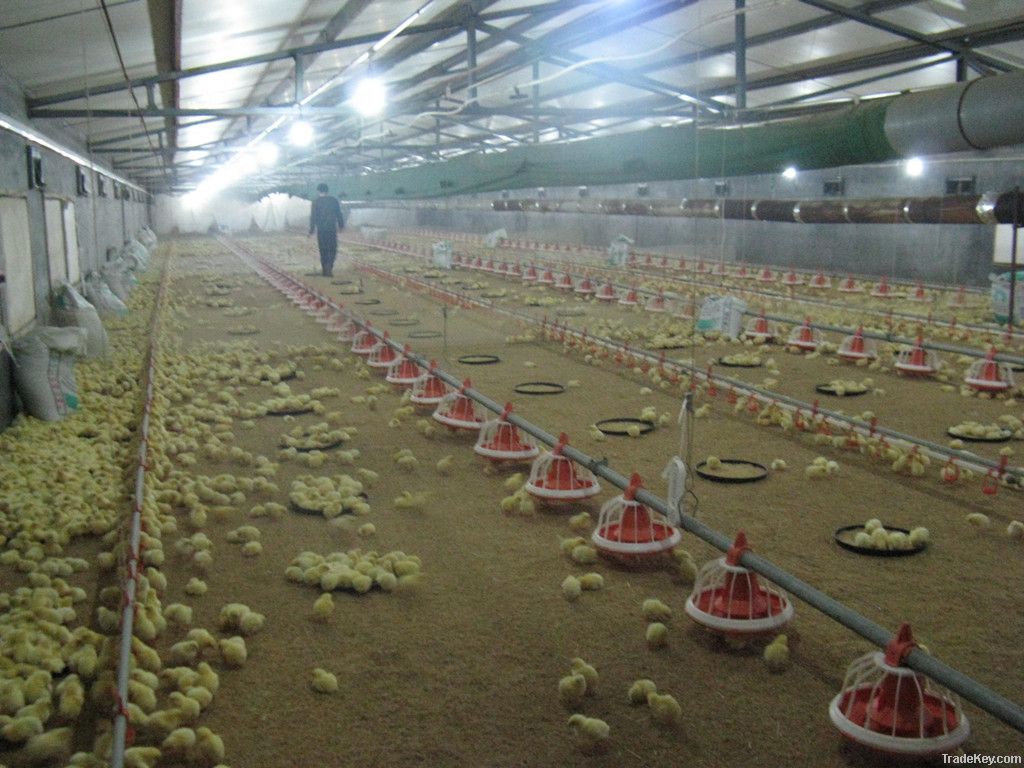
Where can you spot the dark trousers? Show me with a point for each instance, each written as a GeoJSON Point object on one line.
{"type": "Point", "coordinates": [328, 243]}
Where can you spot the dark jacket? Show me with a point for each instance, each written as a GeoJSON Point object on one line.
{"type": "Point", "coordinates": [325, 216]}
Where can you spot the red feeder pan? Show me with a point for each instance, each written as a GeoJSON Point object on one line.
{"type": "Point", "coordinates": [555, 478]}
{"type": "Point", "coordinates": [849, 285]}
{"type": "Point", "coordinates": [960, 299]}
{"type": "Point", "coordinates": [364, 342]}
{"type": "Point", "coordinates": [403, 372]}
{"type": "Point", "coordinates": [325, 313]}
{"type": "Point", "coordinates": [348, 331]}
{"type": "Point", "coordinates": [631, 533]}
{"type": "Point", "coordinates": [889, 708]}
{"type": "Point", "coordinates": [564, 282]}
{"type": "Point", "coordinates": [742, 272]}
{"type": "Point", "coordinates": [336, 323]}
{"type": "Point", "coordinates": [819, 281]}
{"type": "Point", "coordinates": [719, 269]}
{"type": "Point", "coordinates": [514, 270]}
{"type": "Point", "coordinates": [734, 601]}
{"type": "Point", "coordinates": [681, 266]}
{"type": "Point", "coordinates": [530, 275]}
{"type": "Point", "coordinates": [882, 290]}
{"type": "Point", "coordinates": [428, 390]}
{"type": "Point", "coordinates": [917, 361]}
{"type": "Point", "coordinates": [804, 338]}
{"type": "Point", "coordinates": [383, 354]}
{"type": "Point", "coordinates": [547, 278]}
{"type": "Point", "coordinates": [500, 440]}
{"type": "Point", "coordinates": [702, 268]}
{"type": "Point", "coordinates": [856, 347]}
{"type": "Point", "coordinates": [630, 299]}
{"type": "Point", "coordinates": [760, 329]}
{"type": "Point", "coordinates": [989, 375]}
{"type": "Point", "coordinates": [792, 279]}
{"type": "Point", "coordinates": [584, 287]}
{"type": "Point", "coordinates": [766, 276]}
{"type": "Point", "coordinates": [607, 293]}
{"type": "Point", "coordinates": [918, 294]}
{"type": "Point", "coordinates": [458, 411]}
{"type": "Point", "coordinates": [656, 303]}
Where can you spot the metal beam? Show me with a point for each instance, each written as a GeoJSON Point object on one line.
{"type": "Point", "coordinates": [453, 26]}
{"type": "Point", "coordinates": [605, 72]}
{"type": "Point", "coordinates": [740, 57]}
{"type": "Point", "coordinates": [909, 34]}
{"type": "Point", "coordinates": [142, 134]}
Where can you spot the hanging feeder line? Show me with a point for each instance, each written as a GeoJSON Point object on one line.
{"type": "Point", "coordinates": [132, 559]}
{"type": "Point", "coordinates": [537, 246]}
{"type": "Point", "coordinates": [998, 706]}
{"type": "Point", "coordinates": [745, 291]}
{"type": "Point", "coordinates": [889, 337]}
{"type": "Point", "coordinates": [767, 397]}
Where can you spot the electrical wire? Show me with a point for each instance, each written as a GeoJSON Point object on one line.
{"type": "Point", "coordinates": [131, 91]}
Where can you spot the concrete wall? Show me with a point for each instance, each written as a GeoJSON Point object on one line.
{"type": "Point", "coordinates": [940, 253]}
{"type": "Point", "coordinates": [101, 222]}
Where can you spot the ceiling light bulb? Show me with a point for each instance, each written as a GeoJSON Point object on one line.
{"type": "Point", "coordinates": [369, 97]}
{"type": "Point", "coordinates": [789, 173]}
{"type": "Point", "coordinates": [300, 134]}
{"type": "Point", "coordinates": [914, 166]}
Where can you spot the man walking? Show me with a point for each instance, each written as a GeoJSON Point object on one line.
{"type": "Point", "coordinates": [325, 219]}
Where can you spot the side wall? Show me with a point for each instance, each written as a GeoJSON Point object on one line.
{"type": "Point", "coordinates": [931, 252]}
{"type": "Point", "coordinates": [101, 223]}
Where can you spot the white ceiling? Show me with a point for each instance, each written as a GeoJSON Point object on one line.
{"type": "Point", "coordinates": [31, 31]}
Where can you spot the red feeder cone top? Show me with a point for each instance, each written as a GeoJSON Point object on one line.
{"type": "Point", "coordinates": [664, 261]}
{"type": "Point", "coordinates": [888, 707]}
{"type": "Point", "coordinates": [719, 269]}
{"type": "Point", "coordinates": [989, 375]}
{"type": "Point", "coordinates": [584, 287]}
{"type": "Point", "coordinates": [916, 361]}
{"type": "Point", "coordinates": [803, 338]}
{"type": "Point", "coordinates": [733, 600]}
{"type": "Point", "coordinates": [701, 266]}
{"type": "Point", "coordinates": [791, 278]}
{"type": "Point", "coordinates": [500, 440]}
{"type": "Point", "coordinates": [766, 275]}
{"type": "Point", "coordinates": [348, 331]}
{"type": "Point", "coordinates": [336, 323]}
{"type": "Point", "coordinates": [919, 294]}
{"type": "Point", "coordinates": [564, 282]}
{"type": "Point", "coordinates": [530, 275]}
{"type": "Point", "coordinates": [607, 293]}
{"type": "Point", "coordinates": [458, 411]}
{"type": "Point", "coordinates": [760, 329]}
{"type": "Point", "coordinates": [656, 303]}
{"type": "Point", "coordinates": [554, 477]}
{"type": "Point", "coordinates": [547, 278]}
{"type": "Point", "coordinates": [428, 389]}
{"type": "Point", "coordinates": [819, 281]}
{"type": "Point", "coordinates": [882, 290]}
{"type": "Point", "coordinates": [855, 347]}
{"type": "Point", "coordinates": [849, 285]}
{"type": "Point", "coordinates": [630, 299]}
{"type": "Point", "coordinates": [364, 342]}
{"type": "Point", "coordinates": [742, 271]}
{"type": "Point", "coordinates": [383, 354]}
{"type": "Point", "coordinates": [960, 299]}
{"type": "Point", "coordinates": [403, 372]}
{"type": "Point", "coordinates": [682, 264]}
{"type": "Point", "coordinates": [630, 532]}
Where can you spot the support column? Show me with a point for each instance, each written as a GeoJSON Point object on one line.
{"type": "Point", "coordinates": [741, 54]}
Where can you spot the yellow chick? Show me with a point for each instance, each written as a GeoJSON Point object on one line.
{"type": "Point", "coordinates": [584, 555]}
{"type": "Point", "coordinates": [195, 587]}
{"type": "Point", "coordinates": [665, 710]}
{"type": "Point", "coordinates": [140, 757]}
{"type": "Point", "coordinates": [571, 588]}
{"type": "Point", "coordinates": [233, 651]}
{"type": "Point", "coordinates": [779, 465]}
{"type": "Point", "coordinates": [580, 667]}
{"type": "Point", "coordinates": [655, 610]}
{"type": "Point", "coordinates": [633, 430]}
{"type": "Point", "coordinates": [444, 465]}
{"type": "Point", "coordinates": [639, 691]}
{"type": "Point", "coordinates": [323, 606]}
{"type": "Point", "coordinates": [366, 530]}
{"type": "Point", "coordinates": [179, 740]}
{"type": "Point", "coordinates": [1015, 530]}
{"type": "Point", "coordinates": [657, 635]}
{"type": "Point", "coordinates": [591, 733]}
{"type": "Point", "coordinates": [776, 654]}
{"type": "Point", "coordinates": [591, 582]}
{"type": "Point", "coordinates": [513, 482]}
{"type": "Point", "coordinates": [324, 681]}
{"type": "Point", "coordinates": [571, 690]}
{"type": "Point", "coordinates": [979, 520]}
{"type": "Point", "coordinates": [208, 748]}
{"type": "Point", "coordinates": [581, 522]}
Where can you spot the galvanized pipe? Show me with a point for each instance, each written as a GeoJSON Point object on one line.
{"type": "Point", "coordinates": [995, 704]}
